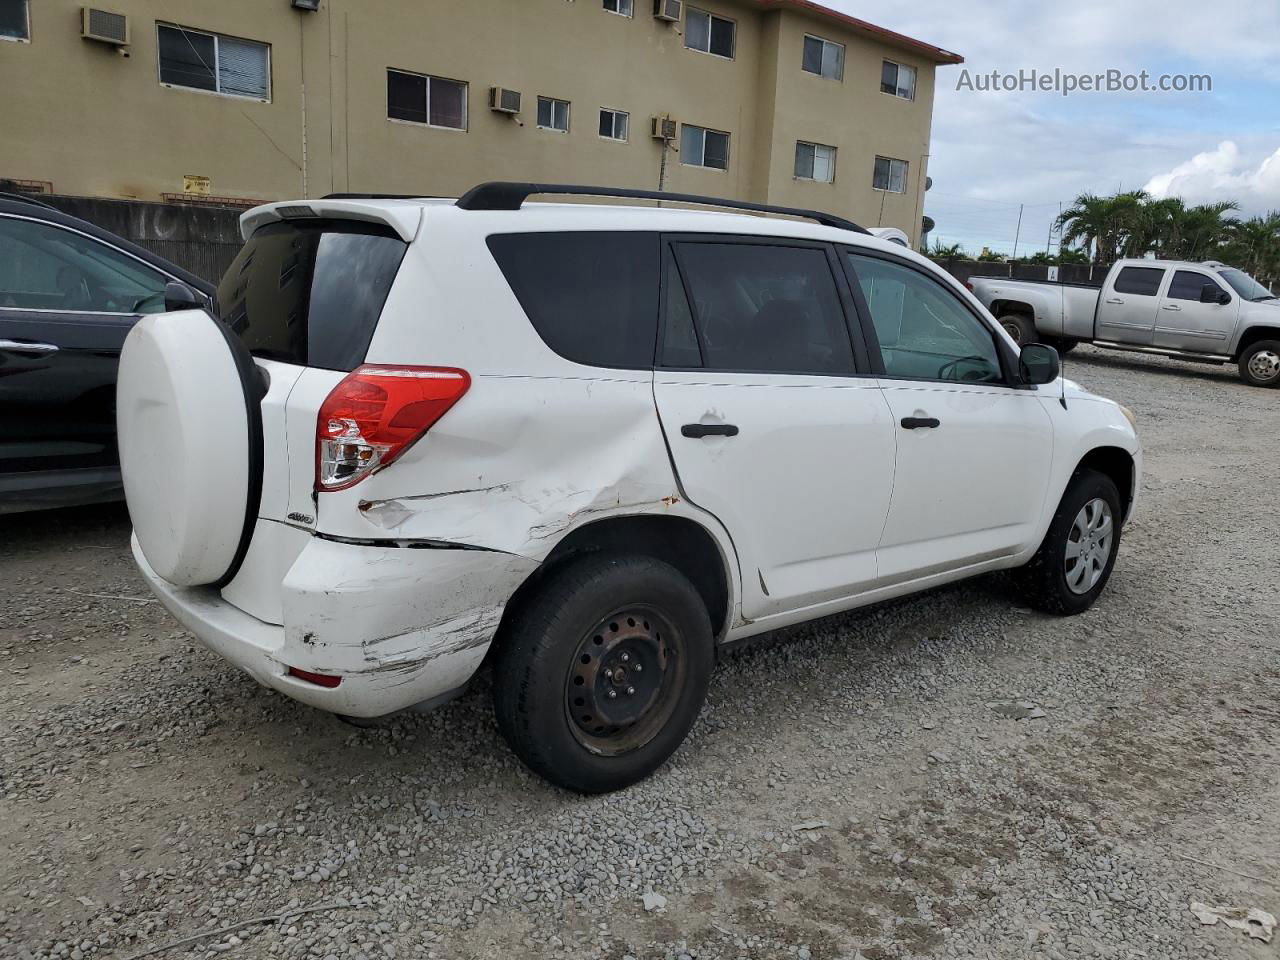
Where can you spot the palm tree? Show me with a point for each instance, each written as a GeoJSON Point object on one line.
{"type": "Point", "coordinates": [1085, 222]}
{"type": "Point", "coordinates": [1203, 230]}
{"type": "Point", "coordinates": [1255, 247]}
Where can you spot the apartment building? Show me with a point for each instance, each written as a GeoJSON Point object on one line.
{"type": "Point", "coordinates": [773, 101]}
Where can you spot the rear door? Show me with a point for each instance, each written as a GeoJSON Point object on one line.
{"type": "Point", "coordinates": [1127, 310]}
{"type": "Point", "coordinates": [772, 424]}
{"type": "Point", "coordinates": [67, 301]}
{"type": "Point", "coordinates": [973, 451]}
{"type": "Point", "coordinates": [1187, 324]}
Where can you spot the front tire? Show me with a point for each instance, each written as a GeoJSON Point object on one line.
{"type": "Point", "coordinates": [1260, 364]}
{"type": "Point", "coordinates": [1074, 562]}
{"type": "Point", "coordinates": [601, 674]}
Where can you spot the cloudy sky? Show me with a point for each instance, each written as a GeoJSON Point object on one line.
{"type": "Point", "coordinates": [994, 151]}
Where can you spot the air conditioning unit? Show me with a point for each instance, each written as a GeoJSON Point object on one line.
{"type": "Point", "coordinates": [503, 100]}
{"type": "Point", "coordinates": [664, 128]}
{"type": "Point", "coordinates": [104, 26]}
{"type": "Point", "coordinates": [668, 10]}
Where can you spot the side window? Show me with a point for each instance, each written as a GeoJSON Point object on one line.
{"type": "Point", "coordinates": [1140, 281]}
{"type": "Point", "coordinates": [925, 332]}
{"type": "Point", "coordinates": [591, 296]}
{"type": "Point", "coordinates": [761, 307]}
{"type": "Point", "coordinates": [1187, 285]}
{"type": "Point", "coordinates": [679, 341]}
{"type": "Point", "coordinates": [43, 267]}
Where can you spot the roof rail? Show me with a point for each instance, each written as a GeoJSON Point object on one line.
{"type": "Point", "coordinates": [506, 195]}
{"type": "Point", "coordinates": [27, 198]}
{"type": "Point", "coordinates": [377, 196]}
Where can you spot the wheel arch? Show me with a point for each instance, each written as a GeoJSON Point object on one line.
{"type": "Point", "coordinates": [1116, 463]}
{"type": "Point", "coordinates": [1252, 336]}
{"type": "Point", "coordinates": [680, 541]}
{"type": "Point", "coordinates": [1002, 306]}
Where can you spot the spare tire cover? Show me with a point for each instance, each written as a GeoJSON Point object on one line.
{"type": "Point", "coordinates": [190, 435]}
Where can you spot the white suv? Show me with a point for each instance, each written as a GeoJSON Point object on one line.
{"type": "Point", "coordinates": [593, 444]}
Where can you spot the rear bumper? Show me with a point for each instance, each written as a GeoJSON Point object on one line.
{"type": "Point", "coordinates": [400, 626]}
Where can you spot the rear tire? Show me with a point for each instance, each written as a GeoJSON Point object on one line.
{"type": "Point", "coordinates": [600, 675]}
{"type": "Point", "coordinates": [1076, 557]}
{"type": "Point", "coordinates": [1063, 345]}
{"type": "Point", "coordinates": [1260, 364]}
{"type": "Point", "coordinates": [1019, 326]}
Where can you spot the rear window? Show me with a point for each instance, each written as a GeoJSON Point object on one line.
{"type": "Point", "coordinates": [310, 292]}
{"type": "Point", "coordinates": [1140, 281]}
{"type": "Point", "coordinates": [592, 296]}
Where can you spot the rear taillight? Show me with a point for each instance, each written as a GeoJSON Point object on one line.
{"type": "Point", "coordinates": [327, 680]}
{"type": "Point", "coordinates": [376, 414]}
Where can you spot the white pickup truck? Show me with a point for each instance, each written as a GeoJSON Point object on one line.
{"type": "Point", "coordinates": [1206, 312]}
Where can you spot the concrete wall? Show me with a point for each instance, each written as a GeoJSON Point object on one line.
{"type": "Point", "coordinates": [92, 122]}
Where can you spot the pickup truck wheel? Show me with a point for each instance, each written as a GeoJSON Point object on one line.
{"type": "Point", "coordinates": [1019, 326]}
{"type": "Point", "coordinates": [1063, 345]}
{"type": "Point", "coordinates": [1260, 364]}
{"type": "Point", "coordinates": [1075, 560]}
{"type": "Point", "coordinates": [601, 673]}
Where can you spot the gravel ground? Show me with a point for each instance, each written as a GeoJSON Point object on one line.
{"type": "Point", "coordinates": [849, 790]}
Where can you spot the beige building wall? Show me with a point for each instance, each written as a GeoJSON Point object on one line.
{"type": "Point", "coordinates": [90, 121]}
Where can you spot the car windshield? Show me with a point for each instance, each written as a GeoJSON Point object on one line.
{"type": "Point", "coordinates": [1246, 286]}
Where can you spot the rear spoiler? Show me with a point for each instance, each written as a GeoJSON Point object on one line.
{"type": "Point", "coordinates": [404, 218]}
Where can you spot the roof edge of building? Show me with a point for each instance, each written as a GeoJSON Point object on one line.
{"type": "Point", "coordinates": [936, 54]}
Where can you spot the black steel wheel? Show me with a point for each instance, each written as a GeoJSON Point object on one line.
{"type": "Point", "coordinates": [599, 675]}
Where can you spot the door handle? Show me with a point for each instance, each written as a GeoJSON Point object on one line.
{"type": "Point", "coordinates": [1114, 300]}
{"type": "Point", "coordinates": [916, 423]}
{"type": "Point", "coordinates": [1171, 306]}
{"type": "Point", "coordinates": [698, 430]}
{"type": "Point", "coordinates": [17, 346]}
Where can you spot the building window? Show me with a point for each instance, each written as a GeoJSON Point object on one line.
{"type": "Point", "coordinates": [890, 175]}
{"type": "Point", "coordinates": [709, 34]}
{"type": "Point", "coordinates": [898, 80]}
{"type": "Point", "coordinates": [553, 114]}
{"type": "Point", "coordinates": [214, 63]}
{"type": "Point", "coordinates": [700, 147]}
{"type": "Point", "coordinates": [15, 23]}
{"type": "Point", "coordinates": [815, 161]}
{"type": "Point", "coordinates": [434, 101]}
{"type": "Point", "coordinates": [614, 124]}
{"type": "Point", "coordinates": [620, 7]}
{"type": "Point", "coordinates": [823, 57]}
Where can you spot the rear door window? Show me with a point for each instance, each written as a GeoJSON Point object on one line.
{"type": "Point", "coordinates": [591, 296]}
{"type": "Point", "coordinates": [310, 292]}
{"type": "Point", "coordinates": [760, 307]}
{"type": "Point", "coordinates": [1139, 281]}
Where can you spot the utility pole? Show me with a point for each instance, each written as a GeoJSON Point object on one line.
{"type": "Point", "coordinates": [1017, 234]}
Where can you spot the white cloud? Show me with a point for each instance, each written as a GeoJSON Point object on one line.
{"type": "Point", "coordinates": [1223, 174]}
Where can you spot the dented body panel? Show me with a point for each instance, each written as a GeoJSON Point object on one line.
{"type": "Point", "coordinates": [399, 626]}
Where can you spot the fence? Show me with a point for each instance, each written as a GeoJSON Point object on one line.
{"type": "Point", "coordinates": [1081, 273]}
{"type": "Point", "coordinates": [201, 238]}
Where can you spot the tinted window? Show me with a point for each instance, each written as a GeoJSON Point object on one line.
{"type": "Point", "coordinates": [187, 58]}
{"type": "Point", "coordinates": [925, 332]}
{"type": "Point", "coordinates": [1142, 281]}
{"type": "Point", "coordinates": [759, 307]}
{"type": "Point", "coordinates": [43, 267]}
{"type": "Point", "coordinates": [592, 297]}
{"type": "Point", "coordinates": [13, 19]}
{"type": "Point", "coordinates": [1187, 285]}
{"type": "Point", "coordinates": [310, 292]}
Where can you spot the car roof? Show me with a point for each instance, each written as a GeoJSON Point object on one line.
{"type": "Point", "coordinates": [407, 216]}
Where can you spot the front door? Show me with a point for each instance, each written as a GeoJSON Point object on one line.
{"type": "Point", "coordinates": [1184, 323]}
{"type": "Point", "coordinates": [973, 451]}
{"type": "Point", "coordinates": [771, 426]}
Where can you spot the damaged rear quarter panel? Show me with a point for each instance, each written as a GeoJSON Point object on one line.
{"type": "Point", "coordinates": [517, 464]}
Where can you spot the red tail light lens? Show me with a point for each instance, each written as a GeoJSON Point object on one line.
{"type": "Point", "coordinates": [319, 679]}
{"type": "Point", "coordinates": [376, 414]}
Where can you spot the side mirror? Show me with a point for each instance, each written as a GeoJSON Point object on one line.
{"type": "Point", "coordinates": [1212, 293]}
{"type": "Point", "coordinates": [1038, 363]}
{"type": "Point", "coordinates": [179, 296]}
